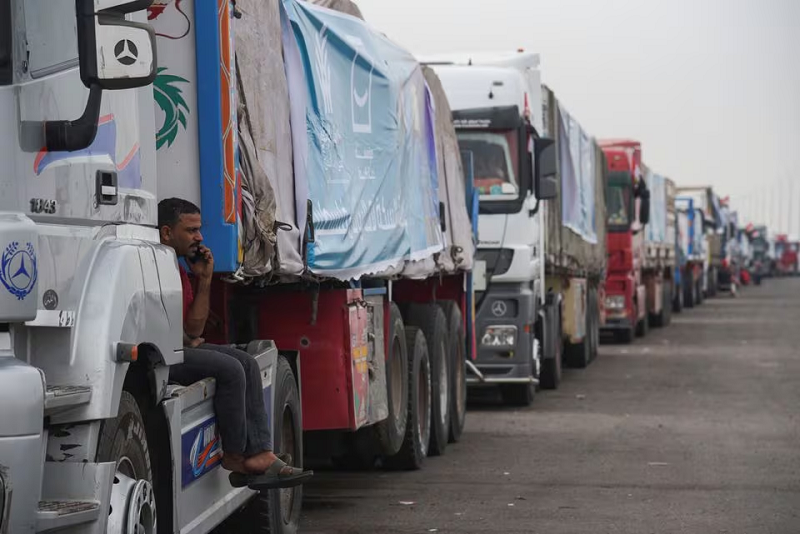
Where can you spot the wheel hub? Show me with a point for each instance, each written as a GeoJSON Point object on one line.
{"type": "Point", "coordinates": [133, 506]}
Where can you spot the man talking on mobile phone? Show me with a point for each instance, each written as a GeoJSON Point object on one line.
{"type": "Point", "coordinates": [239, 401]}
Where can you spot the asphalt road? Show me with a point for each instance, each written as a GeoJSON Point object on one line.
{"type": "Point", "coordinates": [693, 429]}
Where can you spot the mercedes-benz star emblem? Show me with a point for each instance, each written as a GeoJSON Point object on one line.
{"type": "Point", "coordinates": [126, 52]}
{"type": "Point", "coordinates": [499, 308]}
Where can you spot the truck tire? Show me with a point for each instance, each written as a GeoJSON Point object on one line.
{"type": "Point", "coordinates": [625, 336]}
{"type": "Point", "coordinates": [677, 299]}
{"type": "Point", "coordinates": [277, 511]}
{"type": "Point", "coordinates": [579, 355]}
{"type": "Point", "coordinates": [414, 449]}
{"type": "Point", "coordinates": [666, 302]}
{"type": "Point", "coordinates": [594, 317]}
{"type": "Point", "coordinates": [550, 377]}
{"type": "Point", "coordinates": [458, 367]}
{"type": "Point", "coordinates": [391, 431]}
{"type": "Point", "coordinates": [431, 320]}
{"type": "Point", "coordinates": [123, 440]}
{"type": "Point", "coordinates": [688, 294]}
{"type": "Point", "coordinates": [642, 327]}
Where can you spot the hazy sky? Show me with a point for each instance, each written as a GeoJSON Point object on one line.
{"type": "Point", "coordinates": [710, 87]}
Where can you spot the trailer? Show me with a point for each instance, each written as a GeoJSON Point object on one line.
{"type": "Point", "coordinates": [660, 250]}
{"type": "Point", "coordinates": [694, 248]}
{"type": "Point", "coordinates": [326, 165]}
{"type": "Point", "coordinates": [575, 244]}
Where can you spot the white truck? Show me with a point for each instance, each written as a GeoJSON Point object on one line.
{"type": "Point", "coordinates": [539, 302]}
{"type": "Point", "coordinates": [330, 203]}
{"type": "Point", "coordinates": [498, 118]}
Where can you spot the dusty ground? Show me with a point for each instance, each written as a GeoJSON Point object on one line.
{"type": "Point", "coordinates": [691, 430]}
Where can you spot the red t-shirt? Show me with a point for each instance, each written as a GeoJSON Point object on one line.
{"type": "Point", "coordinates": [188, 291]}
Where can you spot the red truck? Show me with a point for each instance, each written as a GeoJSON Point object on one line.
{"type": "Point", "coordinates": [628, 207]}
{"type": "Point", "coordinates": [786, 256]}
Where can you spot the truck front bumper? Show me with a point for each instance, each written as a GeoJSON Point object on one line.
{"type": "Point", "coordinates": [616, 324]}
{"type": "Point", "coordinates": [506, 306]}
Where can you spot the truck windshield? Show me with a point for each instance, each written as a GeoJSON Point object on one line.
{"type": "Point", "coordinates": [618, 202]}
{"type": "Point", "coordinates": [496, 162]}
{"type": "Point", "coordinates": [5, 43]}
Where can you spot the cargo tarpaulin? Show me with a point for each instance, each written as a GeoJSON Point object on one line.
{"type": "Point", "coordinates": [577, 165]}
{"type": "Point", "coordinates": [370, 154]}
{"type": "Point", "coordinates": [656, 228]}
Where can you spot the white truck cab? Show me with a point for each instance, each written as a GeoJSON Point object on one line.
{"type": "Point", "coordinates": [497, 111]}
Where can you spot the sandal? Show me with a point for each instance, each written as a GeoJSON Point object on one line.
{"type": "Point", "coordinates": [272, 478]}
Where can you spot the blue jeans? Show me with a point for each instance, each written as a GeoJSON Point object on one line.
{"type": "Point", "coordinates": [239, 398]}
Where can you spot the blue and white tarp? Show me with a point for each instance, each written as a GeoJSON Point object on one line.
{"type": "Point", "coordinates": [577, 164]}
{"type": "Point", "coordinates": [656, 228]}
{"type": "Point", "coordinates": [369, 154]}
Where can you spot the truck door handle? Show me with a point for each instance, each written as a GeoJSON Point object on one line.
{"type": "Point", "coordinates": [106, 192]}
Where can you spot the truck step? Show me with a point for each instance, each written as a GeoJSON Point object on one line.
{"type": "Point", "coordinates": [62, 397]}
{"type": "Point", "coordinates": [59, 514]}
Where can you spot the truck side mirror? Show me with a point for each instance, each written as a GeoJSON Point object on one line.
{"type": "Point", "coordinates": [544, 178]}
{"type": "Point", "coordinates": [644, 207]}
{"type": "Point", "coordinates": [115, 53]}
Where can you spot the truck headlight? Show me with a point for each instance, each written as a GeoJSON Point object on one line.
{"type": "Point", "coordinates": [499, 336]}
{"type": "Point", "coordinates": [615, 302]}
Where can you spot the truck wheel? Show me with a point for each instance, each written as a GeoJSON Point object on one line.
{"type": "Point", "coordinates": [625, 336]}
{"type": "Point", "coordinates": [666, 304]}
{"type": "Point", "coordinates": [431, 320]}
{"type": "Point", "coordinates": [580, 354]}
{"type": "Point", "coordinates": [677, 302]}
{"type": "Point", "coordinates": [123, 440]}
{"type": "Point", "coordinates": [642, 327]}
{"type": "Point", "coordinates": [521, 395]}
{"type": "Point", "coordinates": [390, 431]}
{"type": "Point", "coordinates": [550, 377]}
{"type": "Point", "coordinates": [277, 511]}
{"type": "Point", "coordinates": [594, 317]}
{"type": "Point", "coordinates": [688, 295]}
{"type": "Point", "coordinates": [458, 384]}
{"type": "Point", "coordinates": [414, 449]}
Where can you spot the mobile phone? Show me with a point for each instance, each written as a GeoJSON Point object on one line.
{"type": "Point", "coordinates": [197, 256]}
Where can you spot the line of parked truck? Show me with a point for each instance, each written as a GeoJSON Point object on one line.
{"type": "Point", "coordinates": [387, 230]}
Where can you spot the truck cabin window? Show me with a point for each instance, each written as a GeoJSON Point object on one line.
{"type": "Point", "coordinates": [618, 206]}
{"type": "Point", "coordinates": [52, 36]}
{"type": "Point", "coordinates": [496, 163]}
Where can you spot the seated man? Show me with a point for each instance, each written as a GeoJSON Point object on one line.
{"type": "Point", "coordinates": [239, 400]}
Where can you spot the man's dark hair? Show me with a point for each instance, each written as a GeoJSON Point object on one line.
{"type": "Point", "coordinates": [171, 209]}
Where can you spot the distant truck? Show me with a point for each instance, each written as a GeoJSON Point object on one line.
{"type": "Point", "coordinates": [693, 246]}
{"type": "Point", "coordinates": [706, 201]}
{"type": "Point", "coordinates": [786, 256]}
{"type": "Point", "coordinates": [628, 207]}
{"type": "Point", "coordinates": [660, 253]}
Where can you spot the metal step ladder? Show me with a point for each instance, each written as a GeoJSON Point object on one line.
{"type": "Point", "coordinates": [58, 398]}
{"type": "Point", "coordinates": [53, 515]}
